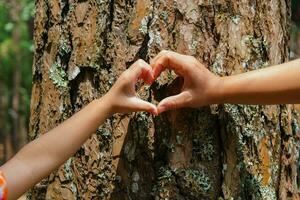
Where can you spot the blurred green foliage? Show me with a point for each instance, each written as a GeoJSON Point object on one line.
{"type": "Point", "coordinates": [296, 11]}
{"type": "Point", "coordinates": [9, 50]}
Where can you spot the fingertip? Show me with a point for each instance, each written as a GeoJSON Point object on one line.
{"type": "Point", "coordinates": [152, 79]}
{"type": "Point", "coordinates": [149, 79]}
{"type": "Point", "coordinates": [151, 82]}
{"type": "Point", "coordinates": [161, 109]}
{"type": "Point", "coordinates": [157, 70]}
{"type": "Point", "coordinates": [148, 107]}
{"type": "Point", "coordinates": [154, 112]}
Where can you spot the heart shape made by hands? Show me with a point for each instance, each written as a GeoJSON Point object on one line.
{"type": "Point", "coordinates": [198, 86]}
{"type": "Point", "coordinates": [150, 73]}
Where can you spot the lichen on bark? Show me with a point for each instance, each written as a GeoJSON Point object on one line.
{"type": "Point", "coordinates": [223, 151]}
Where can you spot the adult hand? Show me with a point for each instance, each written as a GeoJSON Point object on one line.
{"type": "Point", "coordinates": [200, 88]}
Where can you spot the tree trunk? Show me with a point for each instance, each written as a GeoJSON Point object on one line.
{"type": "Point", "coordinates": [226, 151]}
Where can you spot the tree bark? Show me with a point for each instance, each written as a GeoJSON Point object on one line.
{"type": "Point", "coordinates": [225, 151]}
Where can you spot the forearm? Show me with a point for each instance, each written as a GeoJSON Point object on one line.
{"type": "Point", "coordinates": [273, 85]}
{"type": "Point", "coordinates": [43, 155]}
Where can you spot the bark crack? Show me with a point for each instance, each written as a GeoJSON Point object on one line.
{"type": "Point", "coordinates": [143, 51]}
{"type": "Point", "coordinates": [282, 149]}
{"type": "Point", "coordinates": [111, 14]}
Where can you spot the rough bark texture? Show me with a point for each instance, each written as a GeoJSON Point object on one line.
{"type": "Point", "coordinates": [226, 151]}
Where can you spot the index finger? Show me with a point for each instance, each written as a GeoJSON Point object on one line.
{"type": "Point", "coordinates": [169, 60]}
{"type": "Point", "coordinates": [141, 69]}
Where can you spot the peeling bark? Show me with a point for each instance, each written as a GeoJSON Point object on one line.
{"type": "Point", "coordinates": [225, 151]}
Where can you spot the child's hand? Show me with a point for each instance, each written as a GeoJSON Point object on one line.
{"type": "Point", "coordinates": [122, 96]}
{"type": "Point", "coordinates": [200, 88]}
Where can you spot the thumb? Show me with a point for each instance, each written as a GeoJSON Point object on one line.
{"type": "Point", "coordinates": [141, 105]}
{"type": "Point", "coordinates": [174, 102]}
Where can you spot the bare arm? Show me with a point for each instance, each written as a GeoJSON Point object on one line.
{"type": "Point", "coordinates": [273, 85]}
{"type": "Point", "coordinates": [43, 155]}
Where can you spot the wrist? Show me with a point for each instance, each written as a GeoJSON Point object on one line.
{"type": "Point", "coordinates": [104, 105]}
{"type": "Point", "coordinates": [218, 91]}
{"type": "Point", "coordinates": [223, 90]}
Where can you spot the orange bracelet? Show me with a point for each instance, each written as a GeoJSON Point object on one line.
{"type": "Point", "coordinates": [3, 187]}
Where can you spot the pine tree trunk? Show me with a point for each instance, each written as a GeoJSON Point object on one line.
{"type": "Point", "coordinates": [227, 151]}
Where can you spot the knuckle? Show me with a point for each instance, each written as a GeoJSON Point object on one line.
{"type": "Point", "coordinates": [166, 53]}
{"type": "Point", "coordinates": [193, 62]}
{"type": "Point", "coordinates": [139, 62]}
{"type": "Point", "coordinates": [160, 63]}
{"type": "Point", "coordinates": [135, 64]}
